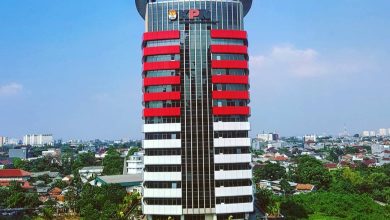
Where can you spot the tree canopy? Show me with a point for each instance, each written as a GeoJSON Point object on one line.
{"type": "Point", "coordinates": [113, 163]}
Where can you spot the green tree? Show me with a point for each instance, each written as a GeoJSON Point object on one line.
{"type": "Point", "coordinates": [89, 212]}
{"type": "Point", "coordinates": [18, 198]}
{"type": "Point", "coordinates": [60, 184]}
{"type": "Point", "coordinates": [48, 213]}
{"type": "Point", "coordinates": [270, 171]}
{"type": "Point", "coordinates": [286, 187]}
{"type": "Point", "coordinates": [107, 201]}
{"type": "Point", "coordinates": [311, 170]}
{"type": "Point", "coordinates": [334, 205]}
{"type": "Point", "coordinates": [71, 197]}
{"type": "Point", "coordinates": [19, 163]}
{"type": "Point", "coordinates": [113, 163]}
{"type": "Point", "coordinates": [132, 151]}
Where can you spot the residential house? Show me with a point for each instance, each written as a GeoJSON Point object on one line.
{"type": "Point", "coordinates": [87, 173]}
{"type": "Point", "coordinates": [132, 182]}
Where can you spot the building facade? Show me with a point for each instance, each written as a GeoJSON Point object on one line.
{"type": "Point", "coordinates": [20, 153]}
{"type": "Point", "coordinates": [135, 164]}
{"type": "Point", "coordinates": [3, 140]}
{"type": "Point", "coordinates": [196, 96]}
{"type": "Point", "coordinates": [38, 139]}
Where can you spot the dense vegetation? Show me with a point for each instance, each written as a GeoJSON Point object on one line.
{"type": "Point", "coordinates": [106, 202]}
{"type": "Point", "coordinates": [113, 163]}
{"type": "Point", "coordinates": [344, 193]}
{"type": "Point", "coordinates": [344, 206]}
{"type": "Point", "coordinates": [15, 197]}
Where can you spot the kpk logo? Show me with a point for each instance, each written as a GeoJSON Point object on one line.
{"type": "Point", "coordinates": [190, 16]}
{"type": "Point", "coordinates": [172, 15]}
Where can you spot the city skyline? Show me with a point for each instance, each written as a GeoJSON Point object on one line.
{"type": "Point", "coordinates": [315, 66]}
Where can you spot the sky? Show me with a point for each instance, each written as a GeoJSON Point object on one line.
{"type": "Point", "coordinates": [73, 68]}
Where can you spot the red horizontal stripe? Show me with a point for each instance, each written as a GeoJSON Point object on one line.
{"type": "Point", "coordinates": [150, 51]}
{"type": "Point", "coordinates": [229, 49]}
{"type": "Point", "coordinates": [155, 112]}
{"type": "Point", "coordinates": [229, 79]}
{"type": "Point", "coordinates": [161, 35]}
{"type": "Point", "coordinates": [230, 94]}
{"type": "Point", "coordinates": [229, 64]}
{"type": "Point", "coordinates": [161, 96]}
{"type": "Point", "coordinates": [164, 80]}
{"type": "Point", "coordinates": [229, 34]}
{"type": "Point", "coordinates": [162, 65]}
{"type": "Point", "coordinates": [233, 110]}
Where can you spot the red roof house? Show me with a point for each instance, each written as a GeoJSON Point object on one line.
{"type": "Point", "coordinates": [14, 174]}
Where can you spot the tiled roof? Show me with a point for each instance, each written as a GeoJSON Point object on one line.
{"type": "Point", "coordinates": [55, 190]}
{"type": "Point", "coordinates": [281, 158]}
{"type": "Point", "coordinates": [304, 186]}
{"type": "Point", "coordinates": [330, 165]}
{"type": "Point", "coordinates": [25, 184]}
{"type": "Point", "coordinates": [13, 173]}
{"type": "Point", "coordinates": [5, 162]}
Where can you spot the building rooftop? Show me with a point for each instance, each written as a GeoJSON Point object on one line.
{"type": "Point", "coordinates": [124, 180]}
{"type": "Point", "coordinates": [23, 184]}
{"type": "Point", "coordinates": [304, 187]}
{"type": "Point", "coordinates": [141, 6]}
{"type": "Point", "coordinates": [92, 168]}
{"type": "Point", "coordinates": [13, 173]}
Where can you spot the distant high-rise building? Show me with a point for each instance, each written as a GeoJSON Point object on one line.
{"type": "Point", "coordinates": [38, 139]}
{"type": "Point", "coordinates": [3, 140]}
{"type": "Point", "coordinates": [267, 137]}
{"type": "Point", "coordinates": [12, 141]}
{"type": "Point", "coordinates": [195, 78]}
{"type": "Point", "coordinates": [383, 132]}
{"type": "Point", "coordinates": [310, 138]}
{"type": "Point", "coordinates": [372, 133]}
{"type": "Point", "coordinates": [366, 134]}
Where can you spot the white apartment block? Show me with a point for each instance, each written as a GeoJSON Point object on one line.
{"type": "Point", "coordinates": [38, 139]}
{"type": "Point", "coordinates": [135, 164]}
{"type": "Point", "coordinates": [3, 140]}
{"type": "Point", "coordinates": [383, 132]}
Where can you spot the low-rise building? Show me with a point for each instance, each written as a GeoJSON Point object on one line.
{"type": "Point", "coordinates": [377, 148]}
{"type": "Point", "coordinates": [304, 188]}
{"type": "Point", "coordinates": [51, 153]}
{"type": "Point", "coordinates": [135, 164]}
{"type": "Point", "coordinates": [15, 175]}
{"type": "Point", "coordinates": [132, 182]}
{"type": "Point", "coordinates": [87, 173]}
{"type": "Point", "coordinates": [20, 153]}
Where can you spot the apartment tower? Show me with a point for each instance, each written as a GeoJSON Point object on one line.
{"type": "Point", "coordinates": [195, 84]}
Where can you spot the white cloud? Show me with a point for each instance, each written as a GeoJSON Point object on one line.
{"type": "Point", "coordinates": [10, 89]}
{"type": "Point", "coordinates": [289, 61]}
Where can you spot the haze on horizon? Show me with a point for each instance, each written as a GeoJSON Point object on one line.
{"type": "Point", "coordinates": [73, 68]}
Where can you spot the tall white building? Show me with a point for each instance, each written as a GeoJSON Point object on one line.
{"type": "Point", "coordinates": [310, 138]}
{"type": "Point", "coordinates": [383, 132]}
{"type": "Point", "coordinates": [196, 110]}
{"type": "Point", "coordinates": [3, 140]}
{"type": "Point", "coordinates": [267, 137]}
{"type": "Point", "coordinates": [12, 141]}
{"type": "Point", "coordinates": [38, 139]}
{"type": "Point", "coordinates": [366, 134]}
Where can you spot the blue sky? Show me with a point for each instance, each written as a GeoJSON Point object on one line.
{"type": "Point", "coordinates": [72, 68]}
